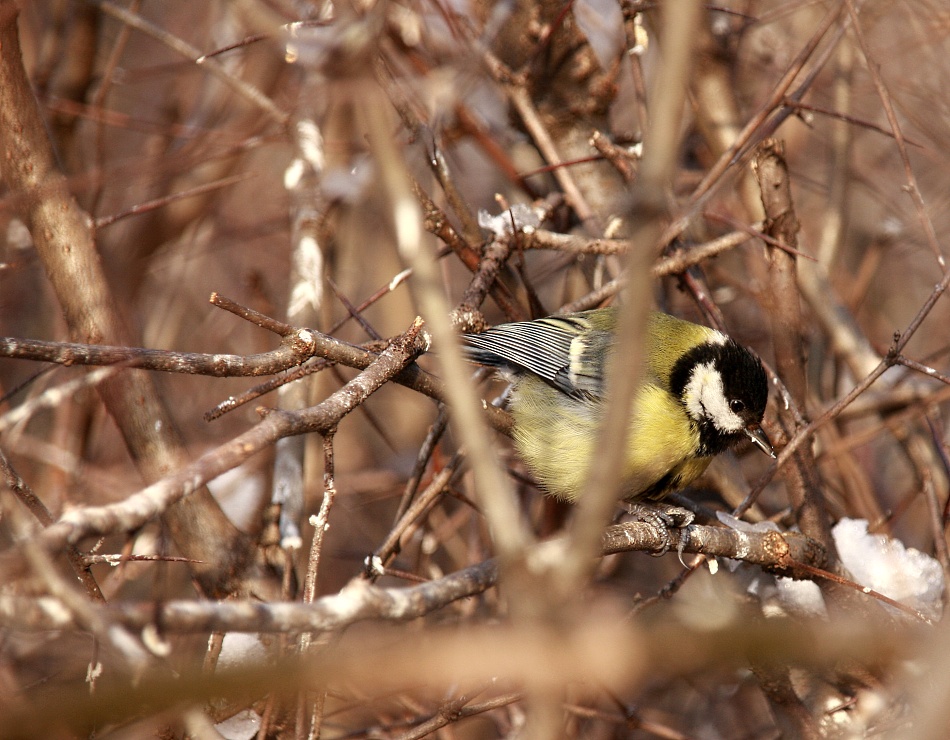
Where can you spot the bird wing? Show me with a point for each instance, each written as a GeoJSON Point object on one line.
{"type": "Point", "coordinates": [563, 350]}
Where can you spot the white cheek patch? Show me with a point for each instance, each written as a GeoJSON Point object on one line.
{"type": "Point", "coordinates": [706, 399]}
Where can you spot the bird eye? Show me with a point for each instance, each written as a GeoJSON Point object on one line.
{"type": "Point", "coordinates": [737, 406]}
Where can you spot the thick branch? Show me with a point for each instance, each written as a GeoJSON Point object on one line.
{"type": "Point", "coordinates": [63, 239]}
{"type": "Point", "coordinates": [294, 350]}
{"type": "Point", "coordinates": [360, 600]}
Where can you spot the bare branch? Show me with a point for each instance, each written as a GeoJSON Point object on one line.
{"type": "Point", "coordinates": [359, 600]}
{"type": "Point", "coordinates": [151, 502]}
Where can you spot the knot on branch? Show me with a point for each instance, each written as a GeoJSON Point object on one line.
{"type": "Point", "coordinates": [303, 343]}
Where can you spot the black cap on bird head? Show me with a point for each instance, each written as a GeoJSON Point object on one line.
{"type": "Point", "coordinates": [724, 389]}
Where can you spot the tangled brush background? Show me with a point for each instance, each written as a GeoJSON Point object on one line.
{"type": "Point", "coordinates": [275, 514]}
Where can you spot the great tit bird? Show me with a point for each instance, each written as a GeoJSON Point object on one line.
{"type": "Point", "coordinates": [701, 393]}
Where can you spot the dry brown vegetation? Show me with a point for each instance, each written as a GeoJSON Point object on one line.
{"type": "Point", "coordinates": [288, 464]}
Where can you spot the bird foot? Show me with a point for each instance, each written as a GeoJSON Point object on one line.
{"type": "Point", "coordinates": [663, 518]}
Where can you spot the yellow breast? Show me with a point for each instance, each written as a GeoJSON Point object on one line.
{"type": "Point", "coordinates": [561, 446]}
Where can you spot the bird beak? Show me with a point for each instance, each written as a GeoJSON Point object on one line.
{"type": "Point", "coordinates": [759, 439]}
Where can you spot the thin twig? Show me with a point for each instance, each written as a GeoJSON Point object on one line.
{"type": "Point", "coordinates": [193, 54]}
{"type": "Point", "coordinates": [882, 92]}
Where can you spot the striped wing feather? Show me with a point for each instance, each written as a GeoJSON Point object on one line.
{"type": "Point", "coordinates": [549, 348]}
